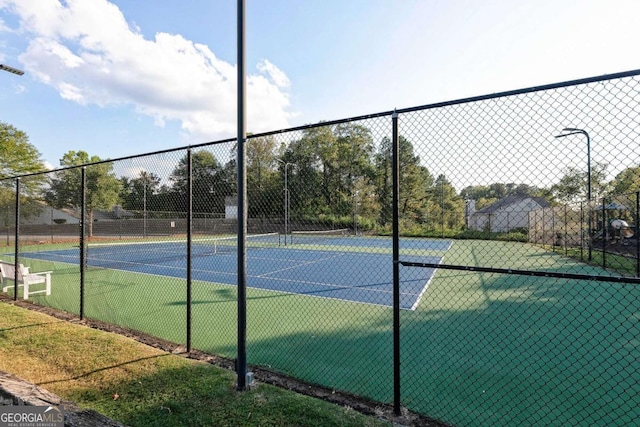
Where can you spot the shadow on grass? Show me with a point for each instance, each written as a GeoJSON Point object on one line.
{"type": "Point", "coordinates": [203, 395]}
{"type": "Point", "coordinates": [103, 369]}
{"type": "Point", "coordinates": [33, 325]}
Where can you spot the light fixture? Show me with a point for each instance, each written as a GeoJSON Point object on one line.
{"type": "Point", "coordinates": [11, 69]}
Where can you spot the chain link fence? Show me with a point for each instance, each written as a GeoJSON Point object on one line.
{"type": "Point", "coordinates": [474, 261]}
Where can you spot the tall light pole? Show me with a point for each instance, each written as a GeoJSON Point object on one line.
{"type": "Point", "coordinates": [286, 199]}
{"type": "Point", "coordinates": [576, 131]}
{"type": "Point", "coordinates": [11, 69]}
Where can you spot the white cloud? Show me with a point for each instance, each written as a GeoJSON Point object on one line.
{"type": "Point", "coordinates": [88, 52]}
{"type": "Point", "coordinates": [278, 77]}
{"type": "Point", "coordinates": [3, 27]}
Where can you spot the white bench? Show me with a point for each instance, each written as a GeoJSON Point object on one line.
{"type": "Point", "coordinates": [25, 279]}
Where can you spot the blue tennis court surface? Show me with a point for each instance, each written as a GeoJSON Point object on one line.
{"type": "Point", "coordinates": [339, 273]}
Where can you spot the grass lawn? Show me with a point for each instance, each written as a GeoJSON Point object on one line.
{"type": "Point", "coordinates": [143, 386]}
{"type": "Point", "coordinates": [480, 349]}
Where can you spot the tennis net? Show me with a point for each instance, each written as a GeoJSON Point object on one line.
{"type": "Point", "coordinates": [318, 237]}
{"type": "Point", "coordinates": [168, 248]}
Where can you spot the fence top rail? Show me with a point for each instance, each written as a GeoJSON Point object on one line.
{"type": "Point", "coordinates": [577, 82]}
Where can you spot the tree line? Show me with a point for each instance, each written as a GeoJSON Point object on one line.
{"type": "Point", "coordinates": [332, 174]}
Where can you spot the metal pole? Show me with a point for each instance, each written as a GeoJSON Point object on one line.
{"type": "Point", "coordinates": [589, 191]}
{"type": "Point", "coordinates": [241, 365]}
{"type": "Point", "coordinates": [604, 234]}
{"type": "Point", "coordinates": [144, 208]}
{"type": "Point", "coordinates": [355, 213]}
{"type": "Point", "coordinates": [544, 223]}
{"type": "Point", "coordinates": [565, 231]}
{"type": "Point", "coordinates": [442, 205]}
{"type": "Point", "coordinates": [286, 203]}
{"type": "Point", "coordinates": [637, 220]}
{"type": "Point", "coordinates": [581, 232]}
{"type": "Point", "coordinates": [575, 131]}
{"type": "Point", "coordinates": [189, 241]}
{"type": "Point", "coordinates": [83, 244]}
{"type": "Point", "coordinates": [395, 168]}
{"type": "Point", "coordinates": [16, 246]}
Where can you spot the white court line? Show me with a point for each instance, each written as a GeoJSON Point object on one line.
{"type": "Point", "coordinates": [299, 264]}
{"type": "Point", "coordinates": [267, 275]}
{"type": "Point", "coordinates": [426, 286]}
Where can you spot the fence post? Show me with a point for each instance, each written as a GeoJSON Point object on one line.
{"type": "Point", "coordinates": [83, 243]}
{"type": "Point", "coordinates": [544, 228]}
{"type": "Point", "coordinates": [189, 241]}
{"type": "Point", "coordinates": [553, 230]}
{"type": "Point", "coordinates": [604, 233]}
{"type": "Point", "coordinates": [16, 246]}
{"type": "Point", "coordinates": [589, 230]}
{"type": "Point", "coordinates": [581, 231]}
{"type": "Point", "coordinates": [566, 252]}
{"type": "Point", "coordinates": [395, 166]}
{"type": "Point", "coordinates": [637, 220]}
{"type": "Point", "coordinates": [241, 365]}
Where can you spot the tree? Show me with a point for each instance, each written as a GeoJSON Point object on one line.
{"type": "Point", "coordinates": [572, 187]}
{"type": "Point", "coordinates": [305, 180]}
{"type": "Point", "coordinates": [355, 170]}
{"type": "Point", "coordinates": [263, 189]}
{"type": "Point", "coordinates": [102, 189]}
{"type": "Point", "coordinates": [318, 145]}
{"type": "Point", "coordinates": [498, 190]}
{"type": "Point", "coordinates": [415, 183]}
{"type": "Point", "coordinates": [332, 167]}
{"type": "Point", "coordinates": [446, 207]}
{"type": "Point", "coordinates": [627, 181]}
{"type": "Point", "coordinates": [18, 157]}
{"type": "Point", "coordinates": [211, 182]}
{"type": "Point", "coordinates": [139, 193]}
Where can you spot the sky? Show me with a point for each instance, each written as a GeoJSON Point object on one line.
{"type": "Point", "coordinates": [124, 77]}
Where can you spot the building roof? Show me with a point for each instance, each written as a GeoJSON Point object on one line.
{"type": "Point", "coordinates": [510, 200]}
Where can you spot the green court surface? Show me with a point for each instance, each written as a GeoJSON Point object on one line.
{"type": "Point", "coordinates": [480, 348]}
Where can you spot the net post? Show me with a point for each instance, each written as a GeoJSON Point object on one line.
{"type": "Point", "coordinates": [395, 166]}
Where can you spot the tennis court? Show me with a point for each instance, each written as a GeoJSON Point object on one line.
{"type": "Point", "coordinates": [346, 268]}
{"type": "Point", "coordinates": [318, 309]}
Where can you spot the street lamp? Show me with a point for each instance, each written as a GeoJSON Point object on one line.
{"type": "Point", "coordinates": [575, 131]}
{"type": "Point", "coordinates": [286, 199]}
{"type": "Point", "coordinates": [11, 69]}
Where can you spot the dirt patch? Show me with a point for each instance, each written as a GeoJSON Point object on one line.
{"type": "Point", "coordinates": [626, 247]}
{"type": "Point", "coordinates": [266, 376]}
